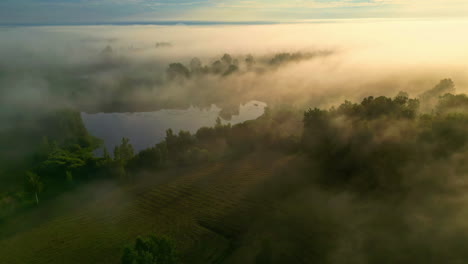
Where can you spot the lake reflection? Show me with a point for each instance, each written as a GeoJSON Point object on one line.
{"type": "Point", "coordinates": [145, 129]}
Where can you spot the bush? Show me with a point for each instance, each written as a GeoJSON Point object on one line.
{"type": "Point", "coordinates": [150, 250]}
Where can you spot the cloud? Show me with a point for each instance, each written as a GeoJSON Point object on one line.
{"type": "Point", "coordinates": [57, 11]}
{"type": "Point", "coordinates": [280, 10]}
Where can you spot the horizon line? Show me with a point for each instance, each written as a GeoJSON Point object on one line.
{"type": "Point", "coordinates": [212, 22]}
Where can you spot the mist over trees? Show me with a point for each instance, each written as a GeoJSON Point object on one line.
{"type": "Point", "coordinates": [366, 171]}
{"type": "Point", "coordinates": [228, 64]}
{"type": "Point", "coordinates": [379, 178]}
{"type": "Point", "coordinates": [372, 175]}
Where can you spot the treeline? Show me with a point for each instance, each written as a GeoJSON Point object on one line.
{"type": "Point", "coordinates": [134, 85]}
{"type": "Point", "coordinates": [374, 180]}
{"type": "Point", "coordinates": [46, 152]}
{"type": "Point", "coordinates": [59, 156]}
{"type": "Point", "coordinates": [228, 64]}
{"type": "Point", "coordinates": [222, 141]}
{"type": "Point", "coordinates": [372, 172]}
{"type": "Point", "coordinates": [377, 144]}
{"type": "Point", "coordinates": [384, 145]}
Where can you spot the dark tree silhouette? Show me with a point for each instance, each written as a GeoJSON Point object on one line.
{"type": "Point", "coordinates": [177, 71]}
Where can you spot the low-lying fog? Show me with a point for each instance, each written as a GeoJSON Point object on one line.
{"type": "Point", "coordinates": [138, 81]}
{"type": "Point", "coordinates": [127, 68]}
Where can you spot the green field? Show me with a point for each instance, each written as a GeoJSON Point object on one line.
{"type": "Point", "coordinates": [202, 209]}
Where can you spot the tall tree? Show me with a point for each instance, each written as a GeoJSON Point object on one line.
{"type": "Point", "coordinates": [124, 152]}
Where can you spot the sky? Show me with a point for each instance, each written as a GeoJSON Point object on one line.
{"type": "Point", "coordinates": [91, 11]}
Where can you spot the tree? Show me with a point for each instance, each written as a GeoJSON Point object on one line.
{"type": "Point", "coordinates": [430, 98]}
{"type": "Point", "coordinates": [231, 69]}
{"type": "Point", "coordinates": [218, 122]}
{"type": "Point", "coordinates": [34, 184]}
{"type": "Point", "coordinates": [195, 66]}
{"type": "Point", "coordinates": [250, 61]}
{"type": "Point", "coordinates": [150, 250]}
{"type": "Point", "coordinates": [105, 155]}
{"type": "Point", "coordinates": [162, 148]}
{"type": "Point", "coordinates": [450, 104]}
{"type": "Point", "coordinates": [217, 67]}
{"type": "Point", "coordinates": [123, 152]}
{"type": "Point", "coordinates": [149, 158]}
{"type": "Point", "coordinates": [226, 59]}
{"type": "Point", "coordinates": [444, 87]}
{"type": "Point", "coordinates": [176, 71]}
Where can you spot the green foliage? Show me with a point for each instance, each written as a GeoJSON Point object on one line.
{"type": "Point", "coordinates": [124, 152]}
{"type": "Point", "coordinates": [105, 155]}
{"type": "Point", "coordinates": [351, 149]}
{"type": "Point", "coordinates": [61, 164]}
{"type": "Point", "coordinates": [212, 133]}
{"type": "Point", "coordinates": [178, 144]}
{"type": "Point", "coordinates": [444, 87]}
{"type": "Point", "coordinates": [196, 66]}
{"type": "Point", "coordinates": [205, 133]}
{"type": "Point", "coordinates": [444, 135]}
{"type": "Point", "coordinates": [450, 103]}
{"type": "Point", "coordinates": [374, 147]}
{"type": "Point", "coordinates": [225, 66]}
{"type": "Point", "coordinates": [226, 59]}
{"type": "Point", "coordinates": [67, 129]}
{"type": "Point", "coordinates": [286, 57]}
{"type": "Point", "coordinates": [150, 158]}
{"type": "Point", "coordinates": [430, 98]}
{"type": "Point", "coordinates": [195, 155]}
{"type": "Point", "coordinates": [41, 137]}
{"type": "Point", "coordinates": [48, 152]}
{"type": "Point", "coordinates": [371, 108]}
{"type": "Point", "coordinates": [283, 58]}
{"type": "Point", "coordinates": [150, 250]}
{"type": "Point", "coordinates": [277, 129]}
{"type": "Point", "coordinates": [230, 70]}
{"type": "Point", "coordinates": [369, 146]}
{"type": "Point", "coordinates": [61, 158]}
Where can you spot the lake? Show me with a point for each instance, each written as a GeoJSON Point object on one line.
{"type": "Point", "coordinates": [145, 129]}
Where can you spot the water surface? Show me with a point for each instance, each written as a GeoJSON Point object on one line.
{"type": "Point", "coordinates": [145, 129]}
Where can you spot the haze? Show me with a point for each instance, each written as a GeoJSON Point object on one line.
{"type": "Point", "coordinates": [144, 132]}
{"type": "Point", "coordinates": [403, 53]}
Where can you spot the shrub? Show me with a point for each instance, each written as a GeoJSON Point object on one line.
{"type": "Point", "coordinates": [150, 250]}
